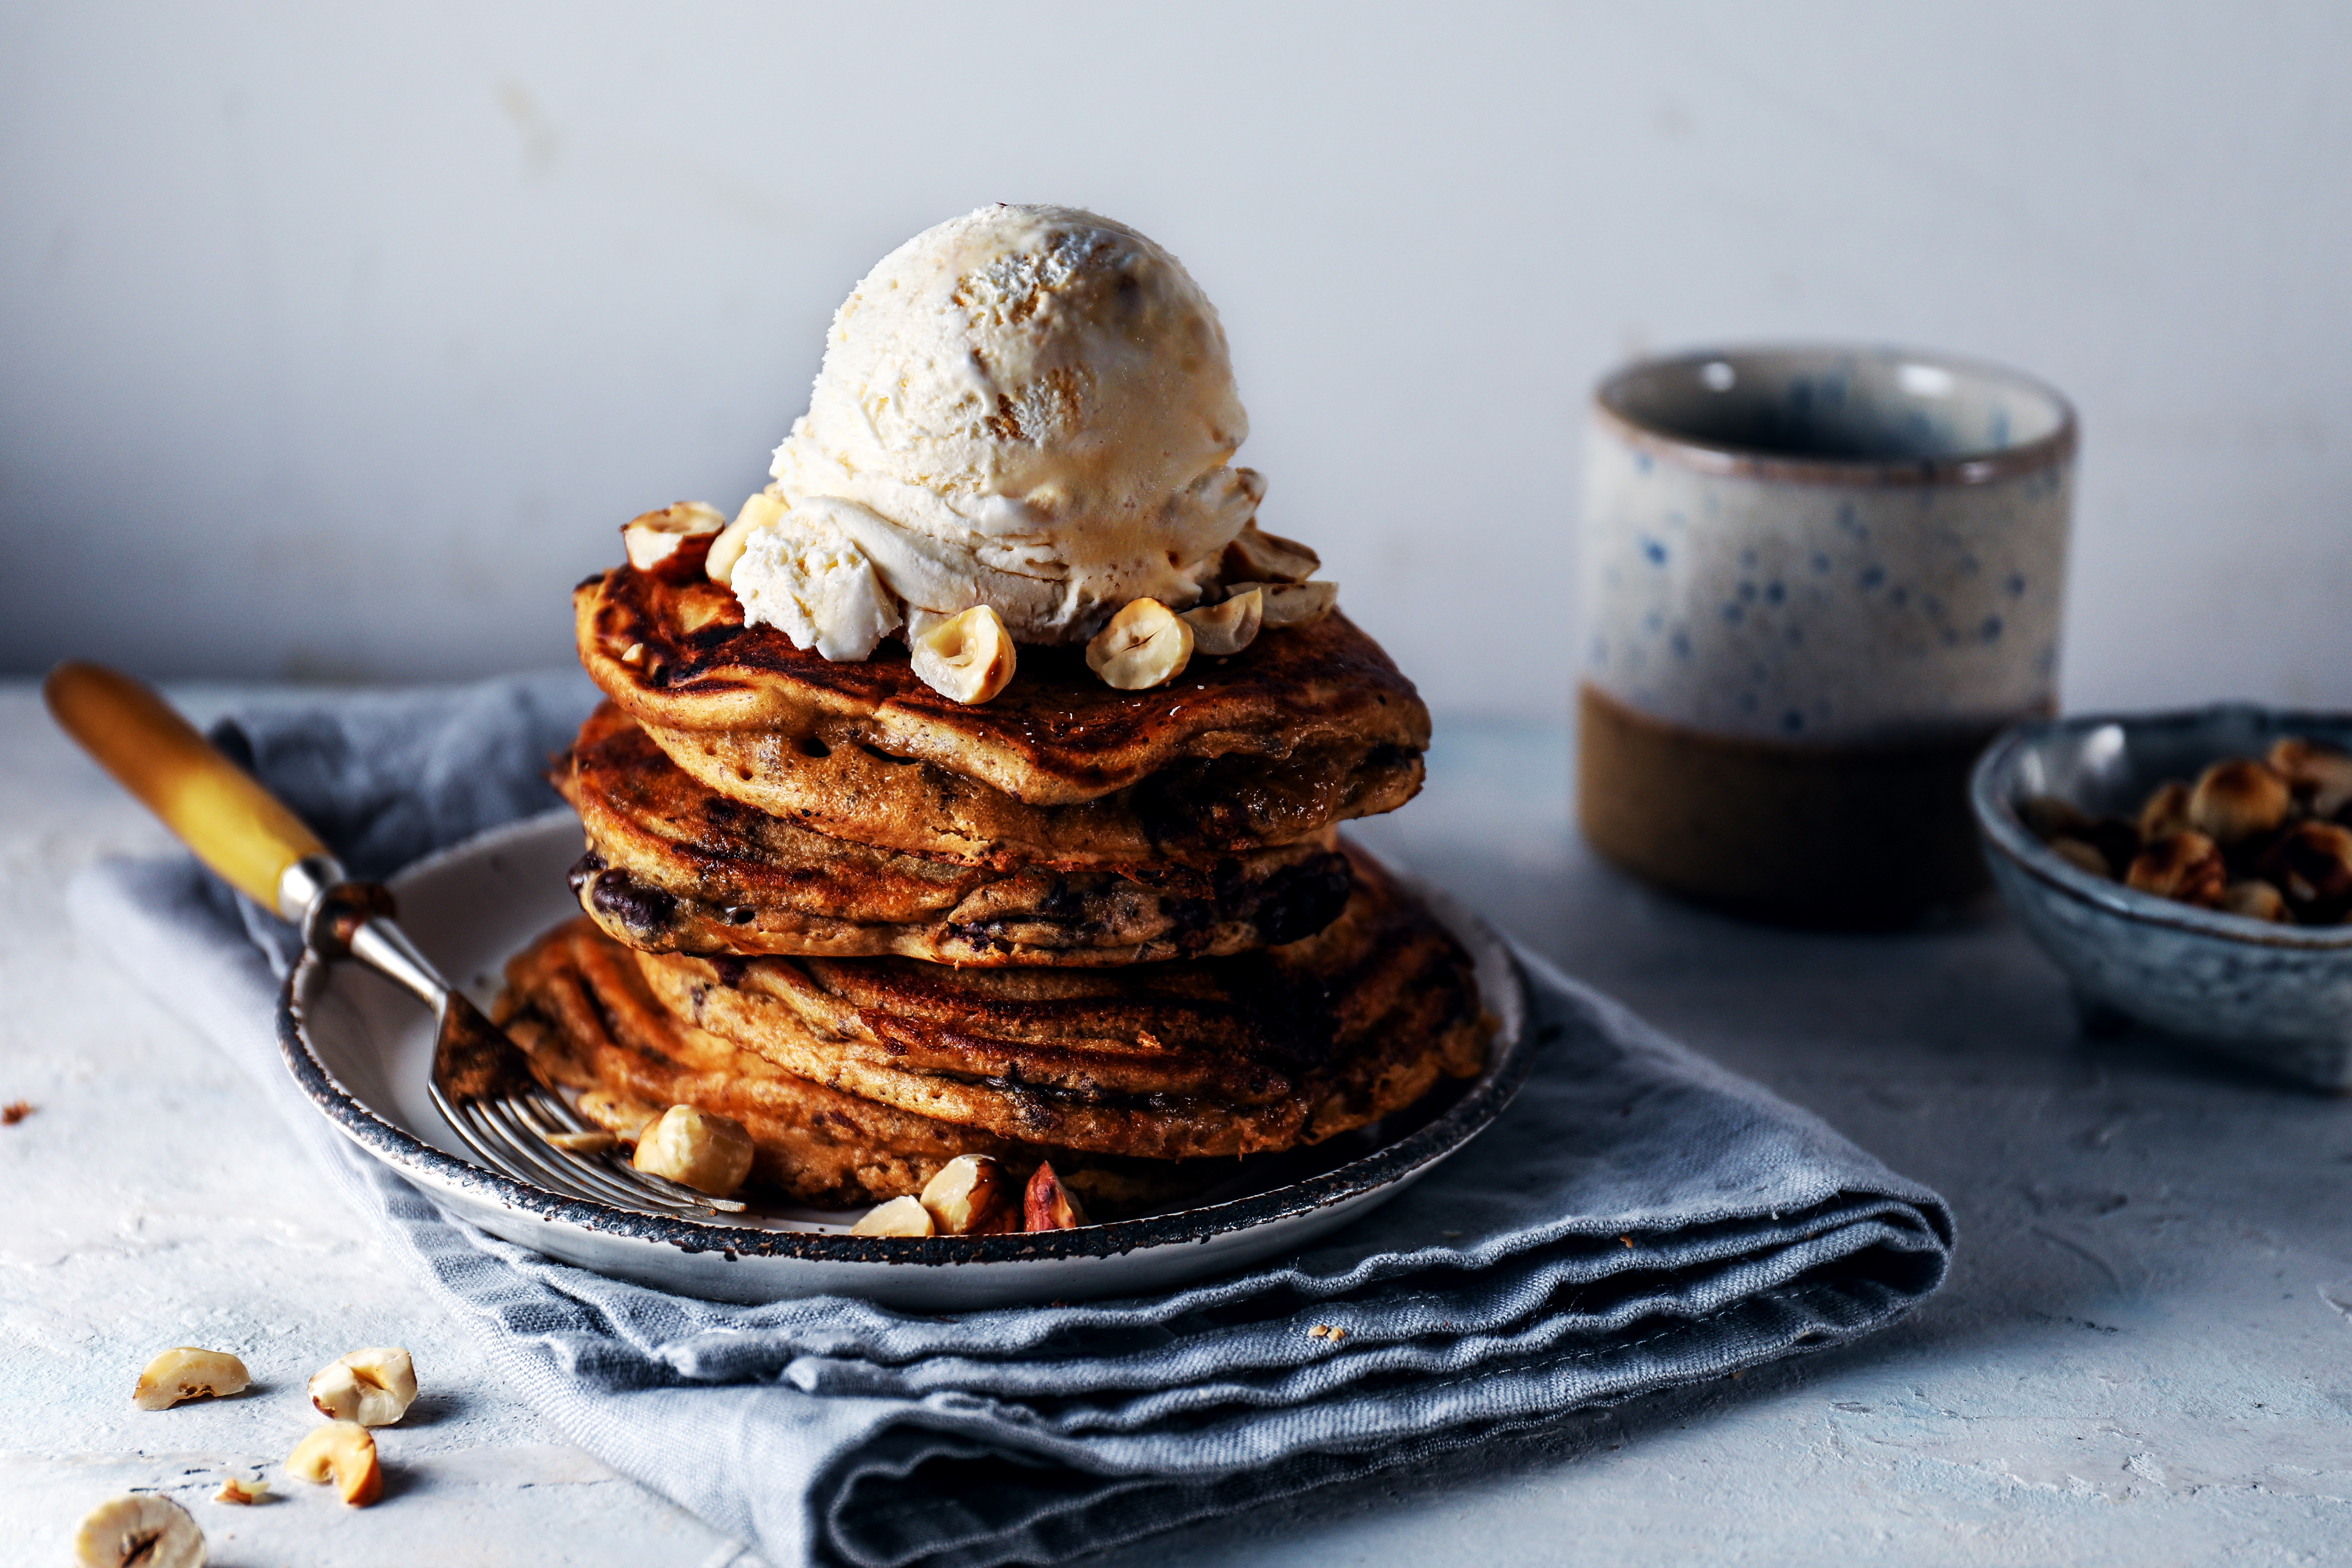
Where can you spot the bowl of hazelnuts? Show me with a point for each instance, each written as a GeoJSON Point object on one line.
{"type": "Point", "coordinates": [2191, 871]}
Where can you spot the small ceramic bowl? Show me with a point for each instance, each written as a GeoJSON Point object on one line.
{"type": "Point", "coordinates": [2280, 995]}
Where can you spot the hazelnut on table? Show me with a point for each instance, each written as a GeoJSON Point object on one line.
{"type": "Point", "coordinates": [187, 1372]}
{"type": "Point", "coordinates": [343, 1452]}
{"type": "Point", "coordinates": [141, 1531]}
{"type": "Point", "coordinates": [373, 1387]}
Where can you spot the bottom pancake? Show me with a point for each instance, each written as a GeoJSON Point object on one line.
{"type": "Point", "coordinates": [578, 1006]}
{"type": "Point", "coordinates": [1217, 1057]}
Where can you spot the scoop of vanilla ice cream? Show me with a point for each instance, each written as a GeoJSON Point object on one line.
{"type": "Point", "coordinates": [1028, 407]}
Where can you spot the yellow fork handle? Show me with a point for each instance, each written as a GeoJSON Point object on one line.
{"type": "Point", "coordinates": [234, 825]}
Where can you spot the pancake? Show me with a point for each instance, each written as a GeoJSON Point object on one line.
{"type": "Point", "coordinates": [679, 657]}
{"type": "Point", "coordinates": [1193, 814]}
{"type": "Point", "coordinates": [1265, 1050]}
{"type": "Point", "coordinates": [674, 866]}
{"type": "Point", "coordinates": [580, 1010]}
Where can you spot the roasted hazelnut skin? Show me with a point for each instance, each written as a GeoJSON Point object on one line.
{"type": "Point", "coordinates": [2238, 799]}
{"type": "Point", "coordinates": [2311, 865]}
{"type": "Point", "coordinates": [2166, 811]}
{"type": "Point", "coordinates": [2185, 866]}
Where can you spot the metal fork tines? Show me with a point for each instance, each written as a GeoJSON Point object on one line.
{"type": "Point", "coordinates": [510, 1132]}
{"type": "Point", "coordinates": [481, 1082]}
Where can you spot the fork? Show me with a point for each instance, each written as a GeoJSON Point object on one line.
{"type": "Point", "coordinates": [481, 1080]}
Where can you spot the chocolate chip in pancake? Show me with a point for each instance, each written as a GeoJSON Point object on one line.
{"type": "Point", "coordinates": [679, 657]}
{"type": "Point", "coordinates": [674, 866]}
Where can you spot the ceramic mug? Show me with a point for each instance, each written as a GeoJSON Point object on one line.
{"type": "Point", "coordinates": [1817, 580]}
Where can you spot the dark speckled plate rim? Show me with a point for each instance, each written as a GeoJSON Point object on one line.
{"type": "Point", "coordinates": [1514, 1046]}
{"type": "Point", "coordinates": [1992, 785]}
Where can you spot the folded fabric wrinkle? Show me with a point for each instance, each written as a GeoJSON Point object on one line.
{"type": "Point", "coordinates": [1639, 1219]}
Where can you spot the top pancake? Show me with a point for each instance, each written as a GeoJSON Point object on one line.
{"type": "Point", "coordinates": [679, 656]}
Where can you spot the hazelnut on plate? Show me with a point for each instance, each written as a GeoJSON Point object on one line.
{"type": "Point", "coordinates": [698, 1148]}
{"type": "Point", "coordinates": [899, 1216]}
{"type": "Point", "coordinates": [973, 1195]}
{"type": "Point", "coordinates": [1046, 1204]}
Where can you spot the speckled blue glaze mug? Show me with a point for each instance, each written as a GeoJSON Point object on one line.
{"type": "Point", "coordinates": [1817, 580]}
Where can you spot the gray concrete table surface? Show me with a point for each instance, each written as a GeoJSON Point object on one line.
{"type": "Point", "coordinates": [2141, 1356]}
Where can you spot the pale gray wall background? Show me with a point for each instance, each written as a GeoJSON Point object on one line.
{"type": "Point", "coordinates": [339, 338]}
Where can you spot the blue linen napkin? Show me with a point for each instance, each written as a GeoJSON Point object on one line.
{"type": "Point", "coordinates": [1638, 1219]}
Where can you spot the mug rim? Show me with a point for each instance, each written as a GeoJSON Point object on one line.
{"type": "Point", "coordinates": [1724, 458]}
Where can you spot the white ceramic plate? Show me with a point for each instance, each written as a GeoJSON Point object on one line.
{"type": "Point", "coordinates": [361, 1048]}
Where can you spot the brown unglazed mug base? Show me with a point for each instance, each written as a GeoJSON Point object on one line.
{"type": "Point", "coordinates": [1850, 837]}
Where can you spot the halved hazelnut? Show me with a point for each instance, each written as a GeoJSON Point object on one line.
{"type": "Point", "coordinates": [899, 1216]}
{"type": "Point", "coordinates": [2311, 865]}
{"type": "Point", "coordinates": [966, 657]}
{"type": "Point", "coordinates": [343, 1451]}
{"type": "Point", "coordinates": [2166, 811]}
{"type": "Point", "coordinates": [2185, 866]}
{"type": "Point", "coordinates": [618, 1114]}
{"type": "Point", "coordinates": [973, 1195]}
{"type": "Point", "coordinates": [1294, 604]}
{"type": "Point", "coordinates": [697, 1148]}
{"type": "Point", "coordinates": [2083, 856]}
{"type": "Point", "coordinates": [186, 1372]}
{"type": "Point", "coordinates": [2321, 776]}
{"type": "Point", "coordinates": [242, 1490]}
{"type": "Point", "coordinates": [373, 1387]}
{"type": "Point", "coordinates": [597, 1143]}
{"type": "Point", "coordinates": [2237, 799]}
{"type": "Point", "coordinates": [1046, 1204]}
{"type": "Point", "coordinates": [1228, 627]}
{"type": "Point", "coordinates": [141, 1531]}
{"type": "Point", "coordinates": [758, 512]}
{"type": "Point", "coordinates": [2256, 900]}
{"type": "Point", "coordinates": [1257, 556]}
{"type": "Point", "coordinates": [1146, 644]}
{"type": "Point", "coordinates": [655, 539]}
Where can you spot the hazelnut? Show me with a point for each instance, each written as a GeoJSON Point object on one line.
{"type": "Point", "coordinates": [1146, 644]}
{"type": "Point", "coordinates": [2166, 811]}
{"type": "Point", "coordinates": [2311, 864]}
{"type": "Point", "coordinates": [240, 1490]}
{"type": "Point", "coordinates": [655, 539]}
{"type": "Point", "coordinates": [1294, 604]}
{"type": "Point", "coordinates": [2185, 866]}
{"type": "Point", "coordinates": [972, 1195]}
{"type": "Point", "coordinates": [758, 512]}
{"type": "Point", "coordinates": [597, 1143]}
{"type": "Point", "coordinates": [966, 657]}
{"type": "Point", "coordinates": [1228, 627]}
{"type": "Point", "coordinates": [1256, 556]}
{"type": "Point", "coordinates": [1046, 1204]}
{"type": "Point", "coordinates": [141, 1531]}
{"type": "Point", "coordinates": [187, 1373]}
{"type": "Point", "coordinates": [2321, 776]}
{"type": "Point", "coordinates": [373, 1387]}
{"type": "Point", "coordinates": [2235, 800]}
{"type": "Point", "coordinates": [2082, 855]}
{"type": "Point", "coordinates": [344, 1451]}
{"type": "Point", "coordinates": [899, 1216]}
{"type": "Point", "coordinates": [696, 1148]}
{"type": "Point", "coordinates": [2255, 899]}
{"type": "Point", "coordinates": [625, 1117]}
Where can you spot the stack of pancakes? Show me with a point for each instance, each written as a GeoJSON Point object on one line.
{"type": "Point", "coordinates": [880, 929]}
